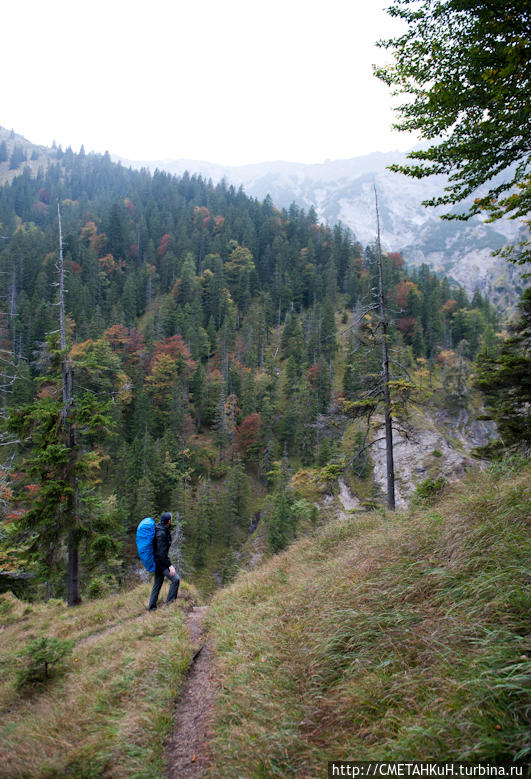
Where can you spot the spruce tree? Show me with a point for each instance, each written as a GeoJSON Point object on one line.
{"type": "Point", "coordinates": [63, 508]}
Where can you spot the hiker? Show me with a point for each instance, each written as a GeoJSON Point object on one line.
{"type": "Point", "coordinates": [163, 566]}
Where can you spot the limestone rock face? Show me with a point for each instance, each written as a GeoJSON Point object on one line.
{"type": "Point", "coordinates": [436, 447]}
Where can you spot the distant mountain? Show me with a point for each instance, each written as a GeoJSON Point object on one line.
{"type": "Point", "coordinates": [342, 190]}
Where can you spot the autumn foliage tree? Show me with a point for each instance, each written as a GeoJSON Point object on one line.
{"type": "Point", "coordinates": [248, 437]}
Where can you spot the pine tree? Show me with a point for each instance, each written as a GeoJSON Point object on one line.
{"type": "Point", "coordinates": [200, 540]}
{"type": "Point", "coordinates": [352, 383]}
{"type": "Point", "coordinates": [221, 427]}
{"type": "Point", "coordinates": [198, 389]}
{"type": "Point", "coordinates": [328, 331]}
{"type": "Point", "coordinates": [280, 530]}
{"type": "Point", "coordinates": [237, 498]}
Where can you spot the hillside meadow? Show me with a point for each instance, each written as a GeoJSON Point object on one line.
{"type": "Point", "coordinates": [383, 637]}
{"type": "Point", "coordinates": [377, 636]}
{"type": "Point", "coordinates": [106, 708]}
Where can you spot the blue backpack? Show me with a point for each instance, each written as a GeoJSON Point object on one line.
{"type": "Point", "coordinates": [145, 536]}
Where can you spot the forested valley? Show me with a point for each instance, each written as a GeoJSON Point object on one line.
{"type": "Point", "coordinates": [218, 347]}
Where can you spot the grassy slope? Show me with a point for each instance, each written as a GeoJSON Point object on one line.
{"type": "Point", "coordinates": [108, 710]}
{"type": "Point", "coordinates": [382, 637]}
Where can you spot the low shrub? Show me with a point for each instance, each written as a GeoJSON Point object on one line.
{"type": "Point", "coordinates": [428, 490]}
{"type": "Point", "coordinates": [39, 658]}
{"type": "Point", "coordinates": [100, 587]}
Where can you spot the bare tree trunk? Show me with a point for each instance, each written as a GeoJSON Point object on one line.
{"type": "Point", "coordinates": [385, 372]}
{"type": "Point", "coordinates": [278, 326]}
{"type": "Point", "coordinates": [74, 595]}
{"type": "Point", "coordinates": [72, 576]}
{"type": "Point", "coordinates": [13, 311]}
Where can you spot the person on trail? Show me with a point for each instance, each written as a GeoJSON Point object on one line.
{"type": "Point", "coordinates": [163, 566]}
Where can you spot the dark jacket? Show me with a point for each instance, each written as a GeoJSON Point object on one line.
{"type": "Point", "coordinates": [162, 547]}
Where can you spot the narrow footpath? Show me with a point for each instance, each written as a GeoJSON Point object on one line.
{"type": "Point", "coordinates": [187, 750]}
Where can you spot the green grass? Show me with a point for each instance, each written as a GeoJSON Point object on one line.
{"type": "Point", "coordinates": [382, 637]}
{"type": "Point", "coordinates": [107, 709]}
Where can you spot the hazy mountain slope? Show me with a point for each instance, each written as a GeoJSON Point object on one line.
{"type": "Point", "coordinates": [343, 190]}
{"type": "Point", "coordinates": [36, 156]}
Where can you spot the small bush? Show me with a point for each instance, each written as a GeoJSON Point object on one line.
{"type": "Point", "coordinates": [428, 490]}
{"type": "Point", "coordinates": [218, 472]}
{"type": "Point", "coordinates": [508, 462]}
{"type": "Point", "coordinates": [56, 602]}
{"type": "Point", "coordinates": [37, 659]}
{"type": "Point", "coordinates": [7, 603]}
{"type": "Point", "coordinates": [11, 608]}
{"type": "Point", "coordinates": [330, 472]}
{"type": "Point", "coordinates": [100, 587]}
{"type": "Point", "coordinates": [437, 453]}
{"type": "Point", "coordinates": [229, 569]}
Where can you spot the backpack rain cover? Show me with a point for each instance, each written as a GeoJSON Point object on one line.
{"type": "Point", "coordinates": [145, 535]}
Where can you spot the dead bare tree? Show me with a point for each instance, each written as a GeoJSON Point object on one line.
{"type": "Point", "coordinates": [67, 382]}
{"type": "Point", "coordinates": [377, 391]}
{"type": "Point", "coordinates": [385, 368]}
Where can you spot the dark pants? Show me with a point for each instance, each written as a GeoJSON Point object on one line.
{"type": "Point", "coordinates": [157, 584]}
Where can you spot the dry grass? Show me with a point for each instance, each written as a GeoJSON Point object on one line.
{"type": "Point", "coordinates": [383, 637]}
{"type": "Point", "coordinates": [108, 711]}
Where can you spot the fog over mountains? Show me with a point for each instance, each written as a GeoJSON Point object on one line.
{"type": "Point", "coordinates": [343, 190]}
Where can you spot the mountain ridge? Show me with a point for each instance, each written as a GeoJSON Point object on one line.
{"type": "Point", "coordinates": [342, 191]}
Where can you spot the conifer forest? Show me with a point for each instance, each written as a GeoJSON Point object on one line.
{"type": "Point", "coordinates": [210, 347]}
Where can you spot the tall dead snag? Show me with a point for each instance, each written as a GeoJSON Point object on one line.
{"type": "Point", "coordinates": [67, 382]}
{"type": "Point", "coordinates": [385, 369]}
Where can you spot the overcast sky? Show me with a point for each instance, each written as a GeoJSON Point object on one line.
{"type": "Point", "coordinates": [227, 81]}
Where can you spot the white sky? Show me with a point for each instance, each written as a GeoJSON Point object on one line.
{"type": "Point", "coordinates": [228, 81]}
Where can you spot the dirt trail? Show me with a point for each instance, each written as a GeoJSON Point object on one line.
{"type": "Point", "coordinates": [93, 637]}
{"type": "Point", "coordinates": [187, 751]}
